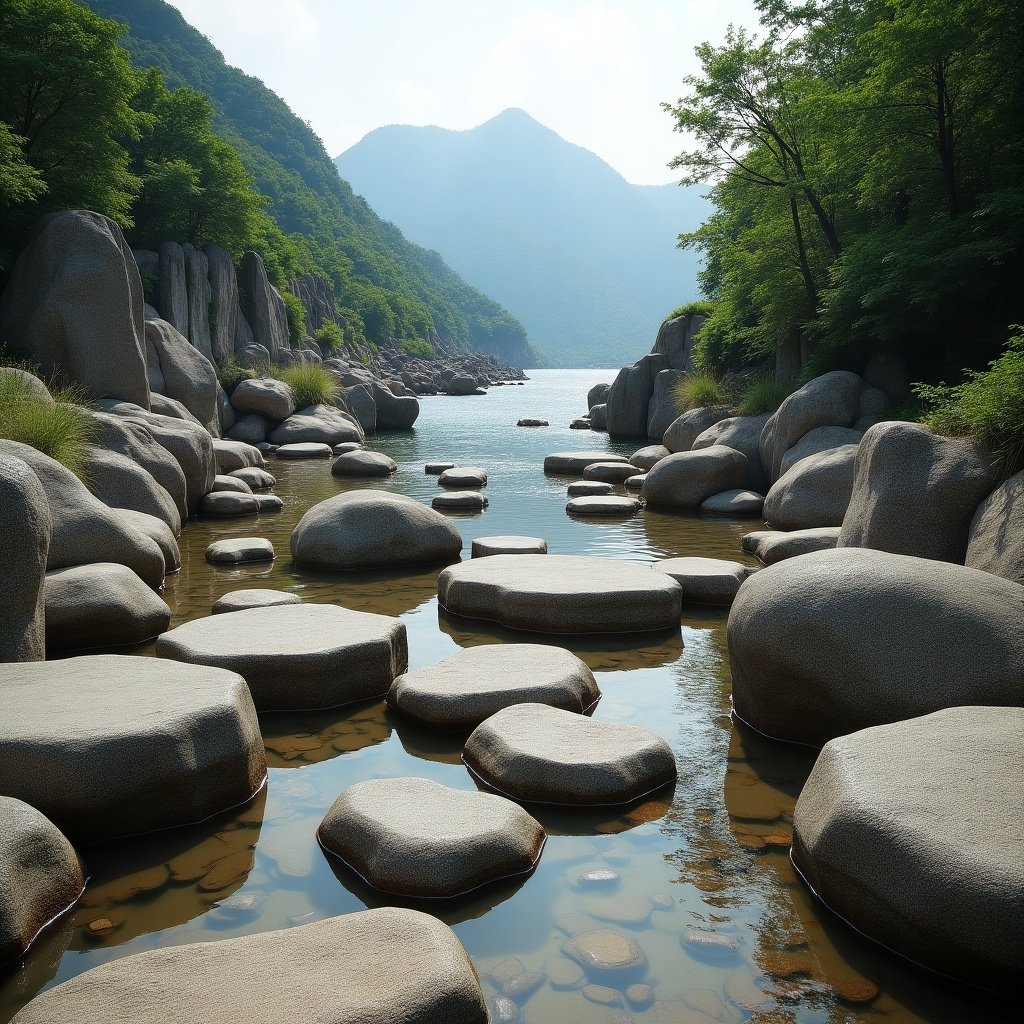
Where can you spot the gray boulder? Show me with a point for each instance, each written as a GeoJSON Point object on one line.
{"type": "Point", "coordinates": [74, 304]}
{"type": "Point", "coordinates": [254, 356]}
{"type": "Point", "coordinates": [173, 289]}
{"type": "Point", "coordinates": [821, 439]}
{"type": "Point", "coordinates": [31, 382]}
{"type": "Point", "coordinates": [598, 395]}
{"type": "Point", "coordinates": [888, 621]}
{"type": "Point", "coordinates": [257, 479]}
{"type": "Point", "coordinates": [574, 463]}
{"type": "Point", "coordinates": [322, 424]}
{"type": "Point", "coordinates": [189, 376]}
{"type": "Point", "coordinates": [996, 541]}
{"type": "Point", "coordinates": [359, 404]}
{"type": "Point", "coordinates": [685, 429]}
{"type": "Point", "coordinates": [225, 413]}
{"type": "Point", "coordinates": [773, 546]}
{"type": "Point", "coordinates": [814, 492]}
{"type": "Point", "coordinates": [224, 299]}
{"type": "Point", "coordinates": [685, 479]}
{"type": "Point", "coordinates": [266, 396]}
{"type": "Point", "coordinates": [662, 409]}
{"type": "Point", "coordinates": [158, 531]}
{"type": "Point", "coordinates": [630, 395]}
{"type": "Point", "coordinates": [364, 463]}
{"type": "Point", "coordinates": [240, 600]}
{"type": "Point", "coordinates": [250, 427]}
{"type": "Point", "coordinates": [915, 492]}
{"type": "Point", "coordinates": [163, 405]}
{"type": "Point", "coordinates": [197, 283]}
{"type": "Point", "coordinates": [598, 416]}
{"type": "Point", "coordinates": [264, 310]}
{"type": "Point", "coordinates": [120, 482]}
{"type": "Point", "coordinates": [25, 530]}
{"type": "Point", "coordinates": [735, 502]}
{"type": "Point", "coordinates": [705, 580]}
{"type": "Point", "coordinates": [874, 407]}
{"type": "Point", "coordinates": [229, 505]}
{"type": "Point", "coordinates": [675, 340]}
{"type": "Point", "coordinates": [233, 550]}
{"type": "Point", "coordinates": [235, 455]}
{"type": "Point", "coordinates": [394, 412]}
{"type": "Point", "coordinates": [508, 544]}
{"type": "Point", "coordinates": [231, 483]}
{"type": "Point", "coordinates": [744, 434]}
{"type": "Point", "coordinates": [645, 458]}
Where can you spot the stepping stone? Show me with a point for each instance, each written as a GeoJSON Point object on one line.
{"type": "Point", "coordinates": [232, 455]}
{"type": "Point", "coordinates": [461, 500]}
{"type": "Point", "coordinates": [363, 463]}
{"type": "Point", "coordinates": [463, 476]}
{"type": "Point", "coordinates": [532, 423]}
{"type": "Point", "coordinates": [415, 837]}
{"type": "Point", "coordinates": [647, 458]}
{"type": "Point", "coordinates": [387, 964]}
{"type": "Point", "coordinates": [574, 463]}
{"type": "Point", "coordinates": [561, 594]}
{"type": "Point", "coordinates": [911, 832]}
{"type": "Point", "coordinates": [581, 488]}
{"type": "Point", "coordinates": [609, 472]}
{"type": "Point", "coordinates": [705, 580]}
{"type": "Point", "coordinates": [102, 604]}
{"type": "Point", "coordinates": [231, 483]}
{"type": "Point", "coordinates": [369, 528]}
{"type": "Point", "coordinates": [535, 752]}
{"type": "Point", "coordinates": [240, 549]}
{"type": "Point", "coordinates": [607, 955]}
{"type": "Point", "coordinates": [297, 656]}
{"type": "Point", "coordinates": [635, 483]}
{"type": "Point", "coordinates": [461, 691]}
{"type": "Point", "coordinates": [773, 546]}
{"type": "Point", "coordinates": [437, 468]}
{"type": "Point", "coordinates": [240, 600]}
{"type": "Point", "coordinates": [257, 479]}
{"type": "Point", "coordinates": [269, 503]}
{"type": "Point", "coordinates": [40, 876]}
{"type": "Point", "coordinates": [145, 744]}
{"type": "Point", "coordinates": [305, 450]}
{"type": "Point", "coordinates": [509, 544]}
{"type": "Point", "coordinates": [603, 505]}
{"type": "Point", "coordinates": [228, 505]}
{"type": "Point", "coordinates": [737, 502]}
{"type": "Point", "coordinates": [344, 447]}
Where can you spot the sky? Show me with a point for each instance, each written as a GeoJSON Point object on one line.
{"type": "Point", "coordinates": [594, 71]}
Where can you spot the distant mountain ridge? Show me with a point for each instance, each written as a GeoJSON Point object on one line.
{"type": "Point", "coordinates": [586, 260]}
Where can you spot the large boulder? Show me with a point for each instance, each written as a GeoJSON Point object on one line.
{"type": "Point", "coordinates": [224, 303]}
{"type": "Point", "coordinates": [814, 492]}
{"type": "Point", "coordinates": [235, 455]}
{"type": "Point", "coordinates": [744, 434]}
{"type": "Point", "coordinates": [358, 402]}
{"type": "Point", "coordinates": [662, 408]}
{"type": "Point", "coordinates": [84, 529]}
{"type": "Point", "coordinates": [630, 395]}
{"type": "Point", "coordinates": [370, 528]}
{"type": "Point", "coordinates": [685, 479]}
{"type": "Point", "coordinates": [25, 530]}
{"type": "Point", "coordinates": [145, 743]}
{"type": "Point", "coordinates": [828, 643]}
{"type": "Point", "coordinates": [40, 876]}
{"type": "Point", "coordinates": [915, 492]}
{"type": "Point", "coordinates": [323, 424]}
{"type": "Point", "coordinates": [675, 340]}
{"type": "Point", "coordinates": [681, 433]}
{"type": "Point", "coordinates": [996, 540]}
{"type": "Point", "coordinates": [264, 310]}
{"type": "Point", "coordinates": [157, 530]}
{"type": "Point", "coordinates": [820, 439]}
{"type": "Point", "coordinates": [120, 482]}
{"type": "Point", "coordinates": [911, 832]}
{"type": "Point", "coordinates": [598, 395]}
{"type": "Point", "coordinates": [188, 376]}
{"type": "Point", "coordinates": [388, 964]}
{"type": "Point", "coordinates": [265, 396]}
{"type": "Point", "coordinates": [831, 400]}
{"type": "Point", "coordinates": [173, 289]}
{"type": "Point", "coordinates": [394, 412]}
{"type": "Point", "coordinates": [250, 427]}
{"type": "Point", "coordinates": [74, 304]}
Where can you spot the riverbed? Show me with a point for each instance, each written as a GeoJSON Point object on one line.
{"type": "Point", "coordinates": [712, 852]}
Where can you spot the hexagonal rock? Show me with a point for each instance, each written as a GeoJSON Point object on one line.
{"type": "Point", "coordinates": [609, 472]}
{"type": "Point", "coordinates": [304, 450]}
{"type": "Point", "coordinates": [509, 544]}
{"type": "Point", "coordinates": [574, 463]}
{"type": "Point", "coordinates": [465, 500]}
{"type": "Point", "coordinates": [582, 488]}
{"type": "Point", "coordinates": [363, 463]}
{"type": "Point", "coordinates": [463, 476]}
{"type": "Point", "coordinates": [387, 964]}
{"type": "Point", "coordinates": [40, 876]}
{"type": "Point", "coordinates": [705, 580]}
{"type": "Point", "coordinates": [145, 744]}
{"type": "Point", "coordinates": [240, 600]}
{"type": "Point", "coordinates": [461, 691]}
{"type": "Point", "coordinates": [240, 549]}
{"type": "Point", "coordinates": [561, 594]}
{"type": "Point", "coordinates": [297, 656]}
{"type": "Point", "coordinates": [370, 528]}
{"type": "Point", "coordinates": [535, 752]}
{"type": "Point", "coordinates": [912, 833]}
{"type": "Point", "coordinates": [229, 505]}
{"type": "Point", "coordinates": [736, 502]}
{"type": "Point", "coordinates": [415, 837]}
{"type": "Point", "coordinates": [603, 505]}
{"type": "Point", "coordinates": [607, 955]}
{"type": "Point", "coordinates": [437, 468]}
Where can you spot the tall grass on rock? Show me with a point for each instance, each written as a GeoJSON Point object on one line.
{"type": "Point", "coordinates": [762, 394]}
{"type": "Point", "coordinates": [702, 307]}
{"type": "Point", "coordinates": [311, 384]}
{"type": "Point", "coordinates": [700, 390]}
{"type": "Point", "coordinates": [59, 429]}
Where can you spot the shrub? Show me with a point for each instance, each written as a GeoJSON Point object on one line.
{"type": "Point", "coordinates": [311, 384]}
{"type": "Point", "coordinates": [700, 390]}
{"type": "Point", "coordinates": [988, 405]}
{"type": "Point", "coordinates": [296, 317]}
{"type": "Point", "coordinates": [762, 394]}
{"type": "Point", "coordinates": [329, 336]}
{"type": "Point", "coordinates": [416, 347]}
{"type": "Point", "coordinates": [703, 307]}
{"type": "Point", "coordinates": [60, 431]}
{"type": "Point", "coordinates": [232, 374]}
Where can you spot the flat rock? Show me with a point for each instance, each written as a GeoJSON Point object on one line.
{"type": "Point", "coordinates": [231, 483]}
{"type": "Point", "coordinates": [912, 833]}
{"type": "Point", "coordinates": [269, 503]}
{"type": "Point", "coordinates": [532, 423]}
{"type": "Point", "coordinates": [415, 837]}
{"type": "Point", "coordinates": [635, 483]}
{"type": "Point", "coordinates": [346, 446]}
{"type": "Point", "coordinates": [388, 964]}
{"type": "Point", "coordinates": [580, 423]}
{"type": "Point", "coordinates": [463, 476]}
{"type": "Point", "coordinates": [145, 744]}
{"type": "Point", "coordinates": [509, 544]}
{"type": "Point", "coordinates": [462, 691]}
{"type": "Point", "coordinates": [705, 580]}
{"type": "Point", "coordinates": [574, 463]}
{"type": "Point", "coordinates": [776, 545]}
{"type": "Point", "coordinates": [609, 472]}
{"type": "Point", "coordinates": [240, 549]}
{"type": "Point", "coordinates": [437, 468]}
{"type": "Point", "coordinates": [257, 479]}
{"type": "Point", "coordinates": [461, 500]}
{"type": "Point", "coordinates": [646, 458]}
{"type": "Point", "coordinates": [736, 502]}
{"type": "Point", "coordinates": [240, 600]}
{"type": "Point", "coordinates": [582, 488]}
{"type": "Point", "coordinates": [607, 955]}
{"type": "Point", "coordinates": [232, 455]}
{"type": "Point", "coordinates": [317, 424]}
{"type": "Point", "coordinates": [561, 594]}
{"type": "Point", "coordinates": [540, 753]}
{"type": "Point", "coordinates": [371, 528]}
{"type": "Point", "coordinates": [364, 463]}
{"type": "Point", "coordinates": [229, 505]}
{"type": "Point", "coordinates": [297, 656]}
{"type": "Point", "coordinates": [304, 450]}
{"type": "Point", "coordinates": [603, 505]}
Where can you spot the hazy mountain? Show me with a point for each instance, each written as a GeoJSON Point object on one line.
{"type": "Point", "coordinates": [583, 258]}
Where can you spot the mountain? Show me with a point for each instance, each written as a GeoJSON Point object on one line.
{"type": "Point", "coordinates": [371, 263]}
{"type": "Point", "coordinates": [585, 259]}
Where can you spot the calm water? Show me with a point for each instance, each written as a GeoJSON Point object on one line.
{"type": "Point", "coordinates": [710, 854]}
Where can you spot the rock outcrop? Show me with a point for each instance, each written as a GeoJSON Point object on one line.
{"type": "Point", "coordinates": [996, 539]}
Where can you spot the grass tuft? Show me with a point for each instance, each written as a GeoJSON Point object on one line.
{"type": "Point", "coordinates": [700, 390]}
{"type": "Point", "coordinates": [702, 306]}
{"type": "Point", "coordinates": [762, 394]}
{"type": "Point", "coordinates": [232, 373]}
{"type": "Point", "coordinates": [311, 384]}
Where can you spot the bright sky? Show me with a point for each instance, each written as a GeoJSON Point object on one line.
{"type": "Point", "coordinates": [595, 71]}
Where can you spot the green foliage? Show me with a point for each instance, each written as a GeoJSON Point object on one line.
{"type": "Point", "coordinates": [311, 384]}
{"type": "Point", "coordinates": [703, 307]}
{"type": "Point", "coordinates": [59, 430]}
{"type": "Point", "coordinates": [762, 394]}
{"type": "Point", "coordinates": [150, 289]}
{"type": "Point", "coordinates": [417, 347]}
{"type": "Point", "coordinates": [329, 336]}
{"type": "Point", "coordinates": [232, 374]}
{"type": "Point", "coordinates": [988, 405]}
{"type": "Point", "coordinates": [700, 390]}
{"type": "Point", "coordinates": [296, 317]}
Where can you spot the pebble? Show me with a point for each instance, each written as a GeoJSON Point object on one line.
{"type": "Point", "coordinates": [563, 973]}
{"type": "Point", "coordinates": [639, 997]}
{"type": "Point", "coordinates": [598, 878]}
{"type": "Point", "coordinates": [709, 946]}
